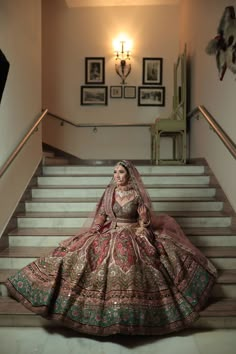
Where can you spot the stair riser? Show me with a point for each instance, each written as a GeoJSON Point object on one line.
{"type": "Point", "coordinates": [96, 193]}
{"type": "Point", "coordinates": [76, 170]}
{"type": "Point", "coordinates": [104, 180]}
{"type": "Point", "coordinates": [224, 263]}
{"type": "Point", "coordinates": [213, 241]}
{"type": "Point", "coordinates": [17, 263]}
{"type": "Point", "coordinates": [53, 241]}
{"type": "Point", "coordinates": [225, 322]}
{"type": "Point", "coordinates": [223, 291]}
{"type": "Point", "coordinates": [157, 206]}
{"type": "Point", "coordinates": [78, 222]}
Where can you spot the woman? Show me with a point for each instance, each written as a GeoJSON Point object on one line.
{"type": "Point", "coordinates": [131, 273]}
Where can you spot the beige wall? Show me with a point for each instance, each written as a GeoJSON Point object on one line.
{"type": "Point", "coordinates": [199, 23]}
{"type": "Point", "coordinates": [20, 38]}
{"type": "Point", "coordinates": [70, 35]}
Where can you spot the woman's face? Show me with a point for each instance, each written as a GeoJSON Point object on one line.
{"type": "Point", "coordinates": [120, 175]}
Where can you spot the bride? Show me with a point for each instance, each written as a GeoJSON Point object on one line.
{"type": "Point", "coordinates": [131, 272]}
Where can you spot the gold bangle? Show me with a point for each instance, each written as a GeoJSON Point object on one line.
{"type": "Point", "coordinates": [144, 224]}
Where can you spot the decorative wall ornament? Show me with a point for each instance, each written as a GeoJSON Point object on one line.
{"type": "Point", "coordinates": [123, 64]}
{"type": "Point", "coordinates": [224, 43]}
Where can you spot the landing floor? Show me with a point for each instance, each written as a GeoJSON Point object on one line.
{"type": "Point", "coordinates": [48, 341]}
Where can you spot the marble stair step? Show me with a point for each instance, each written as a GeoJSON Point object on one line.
{"type": "Point", "coordinates": [165, 206]}
{"type": "Point", "coordinates": [96, 199]}
{"type": "Point", "coordinates": [105, 180]}
{"type": "Point", "coordinates": [90, 170]}
{"type": "Point", "coordinates": [222, 307]}
{"type": "Point", "coordinates": [54, 240]}
{"type": "Point", "coordinates": [51, 237]}
{"type": "Point", "coordinates": [96, 192]}
{"type": "Point", "coordinates": [70, 231]}
{"type": "Point", "coordinates": [66, 219]}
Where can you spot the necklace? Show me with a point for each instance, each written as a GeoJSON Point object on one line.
{"type": "Point", "coordinates": [124, 193]}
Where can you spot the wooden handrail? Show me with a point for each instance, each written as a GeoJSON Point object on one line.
{"type": "Point", "coordinates": [95, 125]}
{"type": "Point", "coordinates": [227, 141]}
{"type": "Point", "coordinates": [21, 144]}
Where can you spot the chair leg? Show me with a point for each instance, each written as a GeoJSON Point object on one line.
{"type": "Point", "coordinates": [153, 149]}
{"type": "Point", "coordinates": [158, 148]}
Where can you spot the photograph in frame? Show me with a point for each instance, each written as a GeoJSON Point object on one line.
{"type": "Point", "coordinates": [93, 95]}
{"type": "Point", "coordinates": [152, 71]}
{"type": "Point", "coordinates": [129, 91]}
{"type": "Point", "coordinates": [151, 96]}
{"type": "Point", "coordinates": [95, 70]}
{"type": "Point", "coordinates": [116, 91]}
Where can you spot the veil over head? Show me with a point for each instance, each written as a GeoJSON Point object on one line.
{"type": "Point", "coordinates": [105, 203]}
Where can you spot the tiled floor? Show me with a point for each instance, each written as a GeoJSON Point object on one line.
{"type": "Point", "coordinates": [42, 341]}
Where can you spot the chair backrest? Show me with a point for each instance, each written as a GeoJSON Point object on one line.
{"type": "Point", "coordinates": [179, 111]}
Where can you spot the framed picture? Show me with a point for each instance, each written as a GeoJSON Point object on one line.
{"type": "Point", "coordinates": [129, 91]}
{"type": "Point", "coordinates": [93, 95]}
{"type": "Point", "coordinates": [116, 91]}
{"type": "Point", "coordinates": [151, 96]}
{"type": "Point", "coordinates": [152, 71]}
{"type": "Point", "coordinates": [94, 70]}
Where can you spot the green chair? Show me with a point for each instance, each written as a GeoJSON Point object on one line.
{"type": "Point", "coordinates": [175, 126]}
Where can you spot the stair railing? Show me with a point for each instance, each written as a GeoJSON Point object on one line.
{"type": "Point", "coordinates": [227, 141]}
{"type": "Point", "coordinates": [21, 144]}
{"type": "Point", "coordinates": [96, 125]}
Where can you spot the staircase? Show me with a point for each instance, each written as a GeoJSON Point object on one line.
{"type": "Point", "coordinates": [64, 194]}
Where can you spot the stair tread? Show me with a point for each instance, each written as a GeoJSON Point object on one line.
{"type": "Point", "coordinates": [44, 231]}
{"type": "Point", "coordinates": [82, 214]}
{"type": "Point", "coordinates": [143, 174]}
{"type": "Point", "coordinates": [209, 231]}
{"type": "Point", "coordinates": [219, 251]}
{"type": "Point", "coordinates": [21, 251]}
{"type": "Point", "coordinates": [226, 276]}
{"type": "Point", "coordinates": [149, 186]}
{"type": "Point", "coordinates": [186, 200]}
{"type": "Point", "coordinates": [72, 231]}
{"type": "Point", "coordinates": [221, 307]}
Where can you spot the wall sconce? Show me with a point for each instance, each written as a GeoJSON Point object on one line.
{"type": "Point", "coordinates": [122, 65]}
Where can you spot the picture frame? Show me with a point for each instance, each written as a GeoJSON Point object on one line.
{"type": "Point", "coordinates": [151, 96]}
{"type": "Point", "coordinates": [129, 91]}
{"type": "Point", "coordinates": [152, 71]}
{"type": "Point", "coordinates": [116, 91]}
{"type": "Point", "coordinates": [95, 70]}
{"type": "Point", "coordinates": [93, 95]}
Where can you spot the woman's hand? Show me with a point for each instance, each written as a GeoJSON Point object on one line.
{"type": "Point", "coordinates": [144, 220]}
{"type": "Point", "coordinates": [143, 213]}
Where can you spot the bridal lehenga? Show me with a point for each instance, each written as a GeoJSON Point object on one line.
{"type": "Point", "coordinates": [123, 277]}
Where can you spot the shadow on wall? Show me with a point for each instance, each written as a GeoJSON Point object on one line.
{"type": "Point", "coordinates": [4, 68]}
